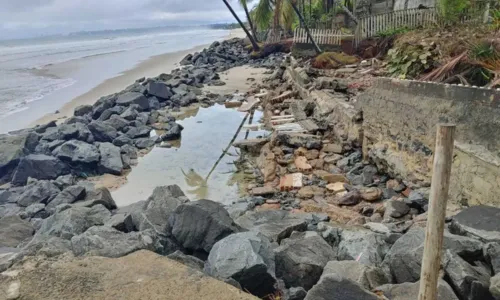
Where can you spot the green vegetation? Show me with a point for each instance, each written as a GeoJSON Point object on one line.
{"type": "Point", "coordinates": [409, 61]}
{"type": "Point", "coordinates": [393, 32]}
{"type": "Point", "coordinates": [495, 15]}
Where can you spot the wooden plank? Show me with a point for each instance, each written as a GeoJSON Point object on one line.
{"type": "Point", "coordinates": [251, 103]}
{"type": "Point", "coordinates": [441, 171]}
{"type": "Point", "coordinates": [281, 117]}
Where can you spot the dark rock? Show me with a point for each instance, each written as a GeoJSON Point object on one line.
{"type": "Point", "coordinates": [111, 159]}
{"type": "Point", "coordinates": [467, 281]}
{"type": "Point", "coordinates": [187, 260]}
{"type": "Point", "coordinates": [51, 134]}
{"type": "Point", "coordinates": [83, 110]}
{"type": "Point", "coordinates": [188, 99]}
{"type": "Point", "coordinates": [238, 209]}
{"type": "Point", "coordinates": [102, 132]}
{"type": "Point", "coordinates": [64, 181]}
{"type": "Point", "coordinates": [301, 258]}
{"type": "Point", "coordinates": [409, 291]}
{"type": "Point", "coordinates": [130, 114]}
{"type": "Point", "coordinates": [142, 119]}
{"type": "Point", "coordinates": [77, 152]}
{"type": "Point", "coordinates": [36, 210]}
{"type": "Point", "coordinates": [366, 276]}
{"type": "Point", "coordinates": [174, 133]}
{"type": "Point", "coordinates": [154, 103]}
{"type": "Point", "coordinates": [333, 286]}
{"type": "Point", "coordinates": [144, 143]}
{"type": "Point", "coordinates": [491, 252]}
{"type": "Point", "coordinates": [108, 242]}
{"type": "Point", "coordinates": [128, 99]}
{"type": "Point", "coordinates": [14, 230]}
{"type": "Point", "coordinates": [47, 246]}
{"type": "Point", "coordinates": [73, 221]}
{"type": "Point", "coordinates": [75, 120]}
{"type": "Point", "coordinates": [122, 140]}
{"type": "Point", "coordinates": [186, 60]}
{"type": "Point", "coordinates": [7, 197]}
{"type": "Point", "coordinates": [38, 166]}
{"type": "Point", "coordinates": [246, 257]}
{"type": "Point", "coordinates": [117, 110]}
{"type": "Point", "coordinates": [479, 222]}
{"type": "Point", "coordinates": [117, 122]}
{"type": "Point", "coordinates": [12, 149]}
{"type": "Point", "coordinates": [395, 209]}
{"type": "Point", "coordinates": [44, 127]}
{"type": "Point", "coordinates": [198, 225]}
{"type": "Point", "coordinates": [137, 132]}
{"type": "Point", "coordinates": [67, 196]}
{"type": "Point", "coordinates": [38, 192]}
{"type": "Point", "coordinates": [296, 293]}
{"type": "Point", "coordinates": [159, 90]}
{"type": "Point", "coordinates": [417, 200]}
{"type": "Point", "coordinates": [351, 198]}
{"type": "Point", "coordinates": [369, 173]}
{"type": "Point", "coordinates": [405, 257]}
{"type": "Point", "coordinates": [102, 104]}
{"type": "Point", "coordinates": [159, 207]}
{"type": "Point", "coordinates": [76, 131]}
{"type": "Point", "coordinates": [99, 196]}
{"type": "Point", "coordinates": [274, 224]}
{"type": "Point", "coordinates": [364, 246]}
{"type": "Point", "coordinates": [122, 222]}
{"type": "Point", "coordinates": [295, 140]}
{"type": "Point", "coordinates": [129, 150]}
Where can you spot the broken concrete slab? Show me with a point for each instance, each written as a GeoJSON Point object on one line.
{"type": "Point", "coordinates": [478, 222]}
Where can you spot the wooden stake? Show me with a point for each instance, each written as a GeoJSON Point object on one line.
{"type": "Point", "coordinates": [431, 261]}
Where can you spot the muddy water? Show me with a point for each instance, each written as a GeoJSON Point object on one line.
{"type": "Point", "coordinates": [207, 132]}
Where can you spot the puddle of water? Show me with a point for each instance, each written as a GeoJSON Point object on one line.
{"type": "Point", "coordinates": [188, 165]}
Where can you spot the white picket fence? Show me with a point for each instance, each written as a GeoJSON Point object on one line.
{"type": "Point", "coordinates": [320, 36]}
{"type": "Point", "coordinates": [409, 18]}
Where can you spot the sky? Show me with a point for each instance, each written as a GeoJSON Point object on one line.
{"type": "Point", "coordinates": [29, 18]}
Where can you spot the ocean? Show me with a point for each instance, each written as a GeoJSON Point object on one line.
{"type": "Point", "coordinates": [40, 75]}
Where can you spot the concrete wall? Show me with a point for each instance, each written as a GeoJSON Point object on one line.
{"type": "Point", "coordinates": [400, 120]}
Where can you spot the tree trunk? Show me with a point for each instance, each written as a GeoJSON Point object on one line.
{"type": "Point", "coordinates": [277, 15]}
{"type": "Point", "coordinates": [316, 47]}
{"type": "Point", "coordinates": [254, 43]}
{"type": "Point", "coordinates": [250, 23]}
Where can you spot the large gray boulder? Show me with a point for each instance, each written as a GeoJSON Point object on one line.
{"type": "Point", "coordinates": [49, 246]}
{"type": "Point", "coordinates": [333, 286]}
{"type": "Point", "coordinates": [73, 221]}
{"type": "Point", "coordinates": [77, 152]}
{"type": "Point", "coordinates": [128, 99]}
{"type": "Point", "coordinates": [10, 209]}
{"type": "Point", "coordinates": [479, 221]}
{"type": "Point", "coordinates": [75, 131]}
{"type": "Point", "coordinates": [83, 110]}
{"type": "Point", "coordinates": [367, 276]}
{"type": "Point", "coordinates": [12, 149]}
{"type": "Point", "coordinates": [158, 89]}
{"type": "Point", "coordinates": [491, 252]}
{"type": "Point", "coordinates": [246, 257]}
{"type": "Point", "coordinates": [69, 195]}
{"type": "Point", "coordinates": [14, 230]}
{"type": "Point", "coordinates": [495, 286]}
{"type": "Point", "coordinates": [117, 122]}
{"type": "Point", "coordinates": [198, 225]}
{"type": "Point", "coordinates": [111, 159]}
{"type": "Point", "coordinates": [108, 242]}
{"type": "Point", "coordinates": [365, 246]}
{"type": "Point", "coordinates": [38, 166]}
{"type": "Point", "coordinates": [409, 291]}
{"type": "Point", "coordinates": [102, 132]}
{"type": "Point", "coordinates": [137, 132]}
{"type": "Point", "coordinates": [275, 224]}
{"type": "Point", "coordinates": [404, 259]}
{"type": "Point", "coordinates": [468, 282]}
{"type": "Point", "coordinates": [158, 208]}
{"type": "Point", "coordinates": [301, 258]}
{"type": "Point", "coordinates": [98, 196]}
{"type": "Point", "coordinates": [38, 192]}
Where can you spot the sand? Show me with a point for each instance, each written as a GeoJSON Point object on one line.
{"type": "Point", "coordinates": [151, 67]}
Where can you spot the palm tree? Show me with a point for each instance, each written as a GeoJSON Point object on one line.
{"type": "Point", "coordinates": [250, 37]}
{"type": "Point", "coordinates": [274, 14]}
{"type": "Point", "coordinates": [244, 4]}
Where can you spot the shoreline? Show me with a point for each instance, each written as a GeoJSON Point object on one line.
{"type": "Point", "coordinates": [151, 67]}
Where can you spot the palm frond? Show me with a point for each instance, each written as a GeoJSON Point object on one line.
{"type": "Point", "coordinates": [287, 16]}
{"type": "Point", "coordinates": [263, 14]}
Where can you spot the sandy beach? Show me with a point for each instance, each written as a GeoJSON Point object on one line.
{"type": "Point", "coordinates": [151, 67]}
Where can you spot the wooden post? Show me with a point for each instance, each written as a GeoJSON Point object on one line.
{"type": "Point", "coordinates": [431, 261]}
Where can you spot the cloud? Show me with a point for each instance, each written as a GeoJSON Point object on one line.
{"type": "Point", "coordinates": [36, 17]}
